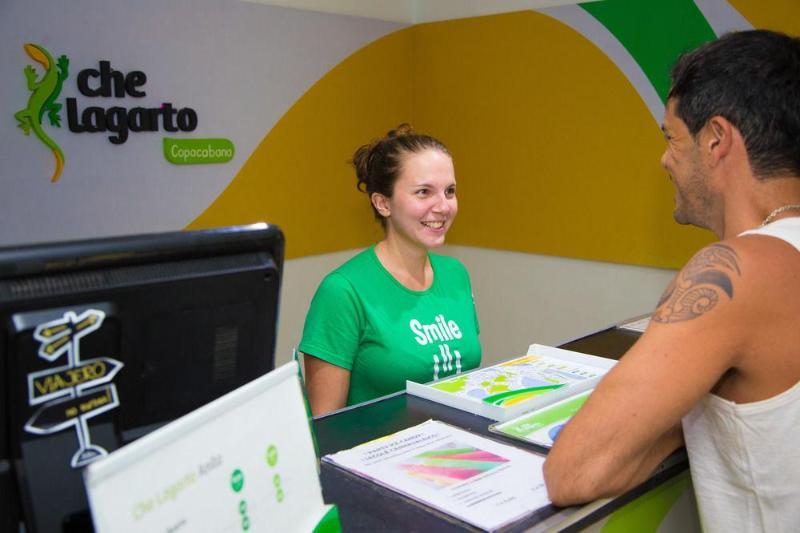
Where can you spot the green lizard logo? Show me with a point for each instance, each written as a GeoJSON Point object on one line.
{"type": "Point", "coordinates": [43, 99]}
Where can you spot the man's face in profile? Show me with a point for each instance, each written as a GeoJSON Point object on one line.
{"type": "Point", "coordinates": [683, 161]}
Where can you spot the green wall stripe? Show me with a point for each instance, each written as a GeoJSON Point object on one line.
{"type": "Point", "coordinates": [654, 32]}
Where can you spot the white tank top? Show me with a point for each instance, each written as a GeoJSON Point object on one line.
{"type": "Point", "coordinates": [745, 458]}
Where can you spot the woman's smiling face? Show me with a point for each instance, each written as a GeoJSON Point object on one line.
{"type": "Point", "coordinates": [423, 202]}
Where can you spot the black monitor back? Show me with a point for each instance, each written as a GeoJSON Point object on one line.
{"type": "Point", "coordinates": [104, 340]}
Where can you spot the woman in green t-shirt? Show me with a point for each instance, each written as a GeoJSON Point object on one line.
{"type": "Point", "coordinates": [394, 311]}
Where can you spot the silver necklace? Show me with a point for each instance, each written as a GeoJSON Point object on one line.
{"type": "Point", "coordinates": [777, 211]}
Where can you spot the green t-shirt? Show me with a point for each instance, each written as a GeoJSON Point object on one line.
{"type": "Point", "coordinates": [364, 320]}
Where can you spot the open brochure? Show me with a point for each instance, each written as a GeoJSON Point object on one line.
{"type": "Point", "coordinates": [506, 390]}
{"type": "Point", "coordinates": [543, 425]}
{"type": "Point", "coordinates": [472, 478]}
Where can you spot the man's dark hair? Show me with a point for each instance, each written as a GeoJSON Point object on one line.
{"type": "Point", "coordinates": [752, 78]}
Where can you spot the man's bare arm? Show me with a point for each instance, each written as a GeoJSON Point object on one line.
{"type": "Point", "coordinates": [632, 420]}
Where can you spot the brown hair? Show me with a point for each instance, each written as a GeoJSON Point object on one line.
{"type": "Point", "coordinates": [378, 164]}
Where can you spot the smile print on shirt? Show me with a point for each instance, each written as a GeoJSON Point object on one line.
{"type": "Point", "coordinates": [441, 331]}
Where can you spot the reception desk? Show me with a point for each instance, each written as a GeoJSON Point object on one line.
{"type": "Point", "coordinates": [665, 502]}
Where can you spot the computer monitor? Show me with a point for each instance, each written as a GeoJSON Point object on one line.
{"type": "Point", "coordinates": [104, 340]}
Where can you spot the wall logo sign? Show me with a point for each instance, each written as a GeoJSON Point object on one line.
{"type": "Point", "coordinates": [120, 121]}
{"type": "Point", "coordinates": [71, 394]}
{"type": "Point", "coordinates": [106, 82]}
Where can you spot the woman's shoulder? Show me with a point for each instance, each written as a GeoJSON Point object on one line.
{"type": "Point", "coordinates": [356, 265]}
{"type": "Point", "coordinates": [450, 270]}
{"type": "Point", "coordinates": [351, 272]}
{"type": "Point", "coordinates": [447, 262]}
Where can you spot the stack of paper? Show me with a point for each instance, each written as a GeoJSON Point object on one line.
{"type": "Point", "coordinates": [472, 478]}
{"type": "Point", "coordinates": [501, 392]}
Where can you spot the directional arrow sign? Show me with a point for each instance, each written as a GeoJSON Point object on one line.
{"type": "Point", "coordinates": [54, 383]}
{"type": "Point", "coordinates": [57, 336]}
{"type": "Point", "coordinates": [64, 413]}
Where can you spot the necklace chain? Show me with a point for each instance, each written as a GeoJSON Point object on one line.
{"type": "Point", "coordinates": [777, 211]}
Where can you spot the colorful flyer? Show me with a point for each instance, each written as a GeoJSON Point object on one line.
{"type": "Point", "coordinates": [472, 478]}
{"type": "Point", "coordinates": [542, 426]}
{"type": "Point", "coordinates": [509, 389]}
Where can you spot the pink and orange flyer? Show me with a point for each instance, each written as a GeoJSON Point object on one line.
{"type": "Point", "coordinates": [475, 479]}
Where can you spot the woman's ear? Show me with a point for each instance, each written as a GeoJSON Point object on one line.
{"type": "Point", "coordinates": [381, 204]}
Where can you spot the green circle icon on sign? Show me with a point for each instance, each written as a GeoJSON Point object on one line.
{"type": "Point", "coordinates": [237, 480]}
{"type": "Point", "coordinates": [272, 455]}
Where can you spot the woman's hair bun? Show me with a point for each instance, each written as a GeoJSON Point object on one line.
{"type": "Point", "coordinates": [378, 163]}
{"type": "Point", "coordinates": [401, 130]}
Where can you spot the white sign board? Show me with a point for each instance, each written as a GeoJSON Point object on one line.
{"type": "Point", "coordinates": [244, 462]}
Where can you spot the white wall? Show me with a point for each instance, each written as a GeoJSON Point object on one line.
{"type": "Point", "coordinates": [195, 53]}
{"type": "Point", "coordinates": [416, 11]}
{"type": "Point", "coordinates": [521, 298]}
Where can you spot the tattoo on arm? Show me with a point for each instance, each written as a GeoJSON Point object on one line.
{"type": "Point", "coordinates": [697, 288]}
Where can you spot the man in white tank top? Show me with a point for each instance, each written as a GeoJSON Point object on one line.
{"type": "Point", "coordinates": [719, 366]}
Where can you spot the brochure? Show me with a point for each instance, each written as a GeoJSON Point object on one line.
{"type": "Point", "coordinates": [506, 390]}
{"type": "Point", "coordinates": [542, 426]}
{"type": "Point", "coordinates": [474, 479]}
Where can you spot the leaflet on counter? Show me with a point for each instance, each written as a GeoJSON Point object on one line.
{"type": "Point", "coordinates": [542, 426]}
{"type": "Point", "coordinates": [509, 389]}
{"type": "Point", "coordinates": [472, 478]}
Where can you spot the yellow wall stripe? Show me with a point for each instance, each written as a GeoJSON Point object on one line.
{"type": "Point", "coordinates": [299, 178]}
{"type": "Point", "coordinates": [555, 151]}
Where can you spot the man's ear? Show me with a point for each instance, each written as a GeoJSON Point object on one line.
{"type": "Point", "coordinates": [381, 204]}
{"type": "Point", "coordinates": [718, 138]}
